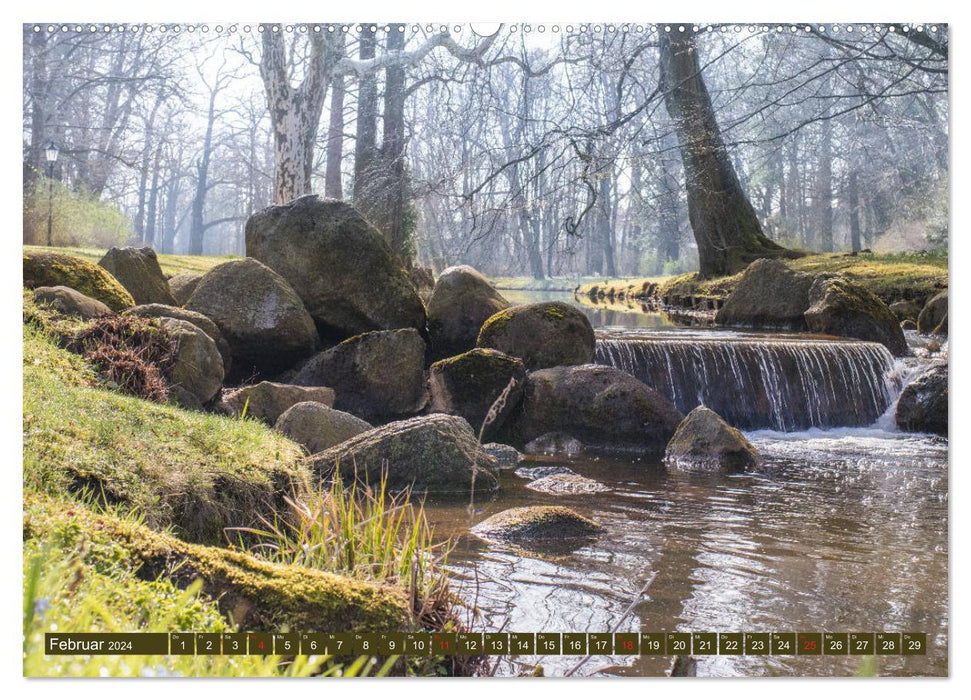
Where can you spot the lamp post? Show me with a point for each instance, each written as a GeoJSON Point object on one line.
{"type": "Point", "coordinates": [51, 154]}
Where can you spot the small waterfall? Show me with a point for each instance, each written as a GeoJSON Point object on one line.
{"type": "Point", "coordinates": [753, 382]}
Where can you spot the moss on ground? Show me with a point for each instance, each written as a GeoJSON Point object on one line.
{"type": "Point", "coordinates": [171, 264]}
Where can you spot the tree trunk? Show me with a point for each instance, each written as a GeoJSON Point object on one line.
{"type": "Point", "coordinates": [333, 187]}
{"type": "Point", "coordinates": [725, 226]}
{"type": "Point", "coordinates": [365, 144]}
{"type": "Point", "coordinates": [824, 188]}
{"type": "Point", "coordinates": [393, 148]}
{"type": "Point", "coordinates": [854, 197]}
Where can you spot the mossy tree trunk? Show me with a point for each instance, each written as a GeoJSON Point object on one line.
{"type": "Point", "coordinates": [725, 225]}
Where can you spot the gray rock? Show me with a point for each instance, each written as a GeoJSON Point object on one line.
{"type": "Point", "coordinates": [260, 316]}
{"type": "Point", "coordinates": [318, 427]}
{"type": "Point", "coordinates": [559, 484]}
{"type": "Point", "coordinates": [377, 376]}
{"type": "Point", "coordinates": [434, 454]}
{"type": "Point", "coordinates": [193, 317]}
{"type": "Point", "coordinates": [705, 442]}
{"type": "Point", "coordinates": [198, 366]}
{"type": "Point", "coordinates": [506, 456]}
{"type": "Point", "coordinates": [461, 302]}
{"type": "Point", "coordinates": [338, 263]}
{"type": "Point", "coordinates": [905, 310]}
{"type": "Point", "coordinates": [844, 308]}
{"type": "Point", "coordinates": [537, 523]}
{"type": "Point", "coordinates": [139, 272]}
{"type": "Point", "coordinates": [554, 444]}
{"type": "Point", "coordinates": [922, 407]}
{"type": "Point", "coordinates": [267, 401]}
{"type": "Point", "coordinates": [544, 334]}
{"type": "Point", "coordinates": [534, 473]}
{"type": "Point", "coordinates": [182, 286]}
{"type": "Point", "coordinates": [769, 295]}
{"type": "Point", "coordinates": [71, 302]}
{"type": "Point", "coordinates": [933, 313]}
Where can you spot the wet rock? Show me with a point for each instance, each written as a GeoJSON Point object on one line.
{"type": "Point", "coordinates": [554, 444]}
{"type": "Point", "coordinates": [559, 484]}
{"type": "Point", "coordinates": [769, 295]}
{"type": "Point", "coordinates": [469, 384]}
{"type": "Point", "coordinates": [197, 367]}
{"type": "Point", "coordinates": [933, 313]}
{"type": "Point", "coordinates": [604, 408]}
{"type": "Point", "coordinates": [545, 334]}
{"type": "Point", "coordinates": [941, 328]}
{"type": "Point", "coordinates": [260, 316]}
{"type": "Point", "coordinates": [267, 401]}
{"type": "Point", "coordinates": [705, 442]}
{"type": "Point", "coordinates": [339, 264]}
{"type": "Point", "coordinates": [434, 454]}
{"type": "Point", "coordinates": [844, 308]}
{"type": "Point", "coordinates": [506, 456]}
{"type": "Point", "coordinates": [905, 310]}
{"type": "Point", "coordinates": [461, 302]}
{"type": "Point", "coordinates": [318, 427]}
{"type": "Point", "coordinates": [534, 473]}
{"type": "Point", "coordinates": [922, 407]}
{"type": "Point", "coordinates": [139, 272]}
{"type": "Point", "coordinates": [193, 317]}
{"type": "Point", "coordinates": [71, 302]}
{"type": "Point", "coordinates": [908, 325]}
{"type": "Point", "coordinates": [182, 286]}
{"type": "Point", "coordinates": [377, 376]}
{"type": "Point", "coordinates": [60, 270]}
{"type": "Point", "coordinates": [537, 523]}
{"type": "Point", "coordinates": [683, 667]}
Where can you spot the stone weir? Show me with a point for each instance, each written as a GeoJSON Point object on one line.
{"type": "Point", "coordinates": [781, 383]}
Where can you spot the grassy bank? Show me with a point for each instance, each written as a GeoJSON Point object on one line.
{"type": "Point", "coordinates": [171, 264]}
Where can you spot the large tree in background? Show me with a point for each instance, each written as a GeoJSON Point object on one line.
{"type": "Point", "coordinates": [725, 225]}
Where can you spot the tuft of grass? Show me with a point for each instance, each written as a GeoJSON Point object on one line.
{"type": "Point", "coordinates": [171, 264]}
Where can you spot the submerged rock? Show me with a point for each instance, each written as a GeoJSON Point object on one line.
{"type": "Point", "coordinates": [844, 308]}
{"type": "Point", "coordinates": [61, 270]}
{"type": "Point", "coordinates": [534, 473]}
{"type": "Point", "coordinates": [197, 367]}
{"type": "Point", "coordinates": [554, 444]}
{"type": "Point", "coordinates": [769, 295]}
{"type": "Point", "coordinates": [339, 264]}
{"type": "Point", "coordinates": [506, 456]}
{"type": "Point", "coordinates": [566, 484]}
{"type": "Point", "coordinates": [182, 286]}
{"type": "Point", "coordinates": [544, 334]}
{"type": "Point", "coordinates": [139, 272]}
{"type": "Point", "coordinates": [434, 454]}
{"type": "Point", "coordinates": [71, 302]}
{"type": "Point", "coordinates": [461, 302]}
{"type": "Point", "coordinates": [193, 317]}
{"type": "Point", "coordinates": [469, 384]}
{"type": "Point", "coordinates": [267, 401]}
{"type": "Point", "coordinates": [933, 313]}
{"type": "Point", "coordinates": [922, 407]}
{"type": "Point", "coordinates": [705, 442]}
{"type": "Point", "coordinates": [318, 427]}
{"type": "Point", "coordinates": [377, 376]}
{"type": "Point", "coordinates": [537, 523]}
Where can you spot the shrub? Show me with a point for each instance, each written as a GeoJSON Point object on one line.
{"type": "Point", "coordinates": [79, 218]}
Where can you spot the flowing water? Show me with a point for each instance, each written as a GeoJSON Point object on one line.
{"type": "Point", "coordinates": [842, 528]}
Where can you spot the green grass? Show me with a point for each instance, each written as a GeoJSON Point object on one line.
{"type": "Point", "coordinates": [171, 264]}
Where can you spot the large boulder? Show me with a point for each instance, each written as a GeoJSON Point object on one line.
{"type": "Point", "coordinates": [922, 407]}
{"type": "Point", "coordinates": [469, 384]}
{"type": "Point", "coordinates": [139, 272]}
{"type": "Point", "coordinates": [193, 317]}
{"type": "Point", "coordinates": [260, 316]}
{"type": "Point", "coordinates": [769, 295]}
{"type": "Point", "coordinates": [604, 408]}
{"type": "Point", "coordinates": [197, 367]}
{"type": "Point", "coordinates": [60, 270]}
{"type": "Point", "coordinates": [71, 302]}
{"type": "Point", "coordinates": [461, 302]}
{"type": "Point", "coordinates": [317, 426]}
{"type": "Point", "coordinates": [435, 454]}
{"type": "Point", "coordinates": [844, 308]}
{"type": "Point", "coordinates": [530, 524]}
{"type": "Point", "coordinates": [705, 442]}
{"type": "Point", "coordinates": [933, 313]}
{"type": "Point", "coordinates": [267, 401]}
{"type": "Point", "coordinates": [182, 286]}
{"type": "Point", "coordinates": [544, 334]}
{"type": "Point", "coordinates": [340, 265]}
{"type": "Point", "coordinates": [377, 376]}
{"type": "Point", "coordinates": [905, 310]}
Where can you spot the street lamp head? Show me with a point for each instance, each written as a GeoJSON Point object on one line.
{"type": "Point", "coordinates": [51, 152]}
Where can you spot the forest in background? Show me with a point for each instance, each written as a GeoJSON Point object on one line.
{"type": "Point", "coordinates": [535, 151]}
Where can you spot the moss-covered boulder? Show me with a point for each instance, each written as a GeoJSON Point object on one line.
{"type": "Point", "coordinates": [469, 384]}
{"type": "Point", "coordinates": [260, 316]}
{"type": "Point", "coordinates": [434, 454]}
{"type": "Point", "coordinates": [60, 270]}
{"type": "Point", "coordinates": [267, 401]}
{"type": "Point", "coordinates": [139, 272]}
{"type": "Point", "coordinates": [844, 308]}
{"type": "Point", "coordinates": [461, 302]}
{"type": "Point", "coordinates": [769, 295]}
{"type": "Point", "coordinates": [933, 313]}
{"type": "Point", "coordinates": [318, 427]}
{"type": "Point", "coordinates": [182, 286]}
{"type": "Point", "coordinates": [340, 265]}
{"type": "Point", "coordinates": [193, 317]}
{"type": "Point", "coordinates": [376, 376]}
{"type": "Point", "coordinates": [544, 334]}
{"type": "Point", "coordinates": [255, 594]}
{"type": "Point", "coordinates": [532, 524]}
{"type": "Point", "coordinates": [71, 302]}
{"type": "Point", "coordinates": [922, 407]}
{"type": "Point", "coordinates": [196, 366]}
{"type": "Point", "coordinates": [604, 408]}
{"type": "Point", "coordinates": [705, 442]}
{"type": "Point", "coordinates": [905, 310]}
